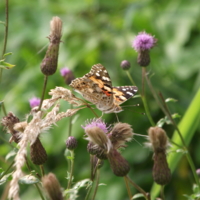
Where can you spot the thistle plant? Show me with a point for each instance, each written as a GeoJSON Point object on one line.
{"type": "Point", "coordinates": [106, 142]}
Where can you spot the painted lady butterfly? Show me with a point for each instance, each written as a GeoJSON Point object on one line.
{"type": "Point", "coordinates": [96, 87]}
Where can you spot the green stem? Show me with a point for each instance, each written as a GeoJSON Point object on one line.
{"type": "Point", "coordinates": [6, 30]}
{"type": "Point", "coordinates": [70, 123]}
{"type": "Point", "coordinates": [130, 78]}
{"type": "Point", "coordinates": [88, 192]}
{"type": "Point", "coordinates": [39, 191]}
{"type": "Point", "coordinates": [36, 184]}
{"type": "Point", "coordinates": [146, 195]}
{"type": "Point", "coordinates": [43, 91]}
{"type": "Point", "coordinates": [42, 170]}
{"type": "Point", "coordinates": [71, 169]}
{"type": "Point", "coordinates": [127, 187]}
{"type": "Point", "coordinates": [96, 184]}
{"type": "Point", "coordinates": [162, 192]}
{"type": "Point", "coordinates": [4, 109]}
{"type": "Point", "coordinates": [143, 95]}
{"type": "Point", "coordinates": [7, 170]}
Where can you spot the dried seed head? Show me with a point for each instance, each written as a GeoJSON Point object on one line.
{"type": "Point", "coordinates": [158, 138]}
{"type": "Point", "coordinates": [71, 143]}
{"type": "Point", "coordinates": [67, 74]}
{"type": "Point", "coordinates": [38, 153]}
{"type": "Point", "coordinates": [8, 122]}
{"type": "Point", "coordinates": [49, 63]}
{"type": "Point", "coordinates": [52, 187]}
{"type": "Point", "coordinates": [98, 137]}
{"type": "Point", "coordinates": [120, 134]}
{"type": "Point", "coordinates": [161, 171]}
{"type": "Point", "coordinates": [20, 126]}
{"type": "Point", "coordinates": [125, 65]}
{"type": "Point", "coordinates": [96, 150]}
{"type": "Point", "coordinates": [118, 164]}
{"type": "Point", "coordinates": [96, 133]}
{"type": "Point", "coordinates": [159, 143]}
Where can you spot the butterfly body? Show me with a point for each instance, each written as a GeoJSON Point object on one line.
{"type": "Point", "coordinates": [96, 87]}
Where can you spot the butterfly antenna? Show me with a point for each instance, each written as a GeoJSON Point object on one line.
{"type": "Point", "coordinates": [117, 117]}
{"type": "Point", "coordinates": [145, 136]}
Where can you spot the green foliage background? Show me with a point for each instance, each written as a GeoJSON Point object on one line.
{"type": "Point", "coordinates": [102, 32]}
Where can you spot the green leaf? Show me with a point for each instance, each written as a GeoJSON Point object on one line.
{"type": "Point", "coordinates": [170, 100]}
{"type": "Point", "coordinates": [5, 178]}
{"type": "Point", "coordinates": [187, 127]}
{"type": "Point", "coordinates": [7, 54]}
{"type": "Point", "coordinates": [176, 115]}
{"type": "Point", "coordinates": [28, 180]}
{"type": "Point", "coordinates": [5, 65]}
{"type": "Point", "coordinates": [11, 154]}
{"type": "Point", "coordinates": [136, 196]}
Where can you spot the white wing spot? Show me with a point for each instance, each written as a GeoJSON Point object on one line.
{"type": "Point", "coordinates": [105, 78]}
{"type": "Point", "coordinates": [124, 89]}
{"type": "Point", "coordinates": [130, 93]}
{"type": "Point", "coordinates": [97, 74]}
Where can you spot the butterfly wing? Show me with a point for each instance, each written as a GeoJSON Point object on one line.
{"type": "Point", "coordinates": [123, 93]}
{"type": "Point", "coordinates": [95, 87]}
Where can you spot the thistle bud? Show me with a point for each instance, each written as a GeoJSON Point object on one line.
{"type": "Point", "coordinates": [38, 153]}
{"type": "Point", "coordinates": [159, 142]}
{"type": "Point", "coordinates": [120, 134]}
{"type": "Point", "coordinates": [71, 143]}
{"type": "Point", "coordinates": [52, 187]}
{"type": "Point", "coordinates": [96, 150]}
{"type": "Point", "coordinates": [125, 65]}
{"type": "Point", "coordinates": [67, 74]}
{"type": "Point", "coordinates": [8, 122]}
{"type": "Point", "coordinates": [118, 164]}
{"type": "Point", "coordinates": [49, 63]}
{"type": "Point", "coordinates": [142, 44]}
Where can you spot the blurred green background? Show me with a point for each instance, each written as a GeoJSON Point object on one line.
{"type": "Point", "coordinates": [102, 32]}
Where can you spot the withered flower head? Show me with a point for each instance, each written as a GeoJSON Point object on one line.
{"type": "Point", "coordinates": [96, 150]}
{"type": "Point", "coordinates": [49, 63]}
{"type": "Point", "coordinates": [52, 187]}
{"type": "Point", "coordinates": [118, 164]}
{"type": "Point", "coordinates": [120, 134]}
{"type": "Point", "coordinates": [159, 142]}
{"type": "Point", "coordinates": [38, 153]}
{"type": "Point", "coordinates": [96, 133]}
{"type": "Point", "coordinates": [8, 122]}
{"type": "Point", "coordinates": [158, 138]}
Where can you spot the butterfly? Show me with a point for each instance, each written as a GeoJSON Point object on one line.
{"type": "Point", "coordinates": [97, 88]}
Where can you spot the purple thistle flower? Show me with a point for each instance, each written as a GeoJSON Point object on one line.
{"type": "Point", "coordinates": [64, 71]}
{"type": "Point", "coordinates": [144, 41]}
{"type": "Point", "coordinates": [96, 123]}
{"type": "Point", "coordinates": [34, 102]}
